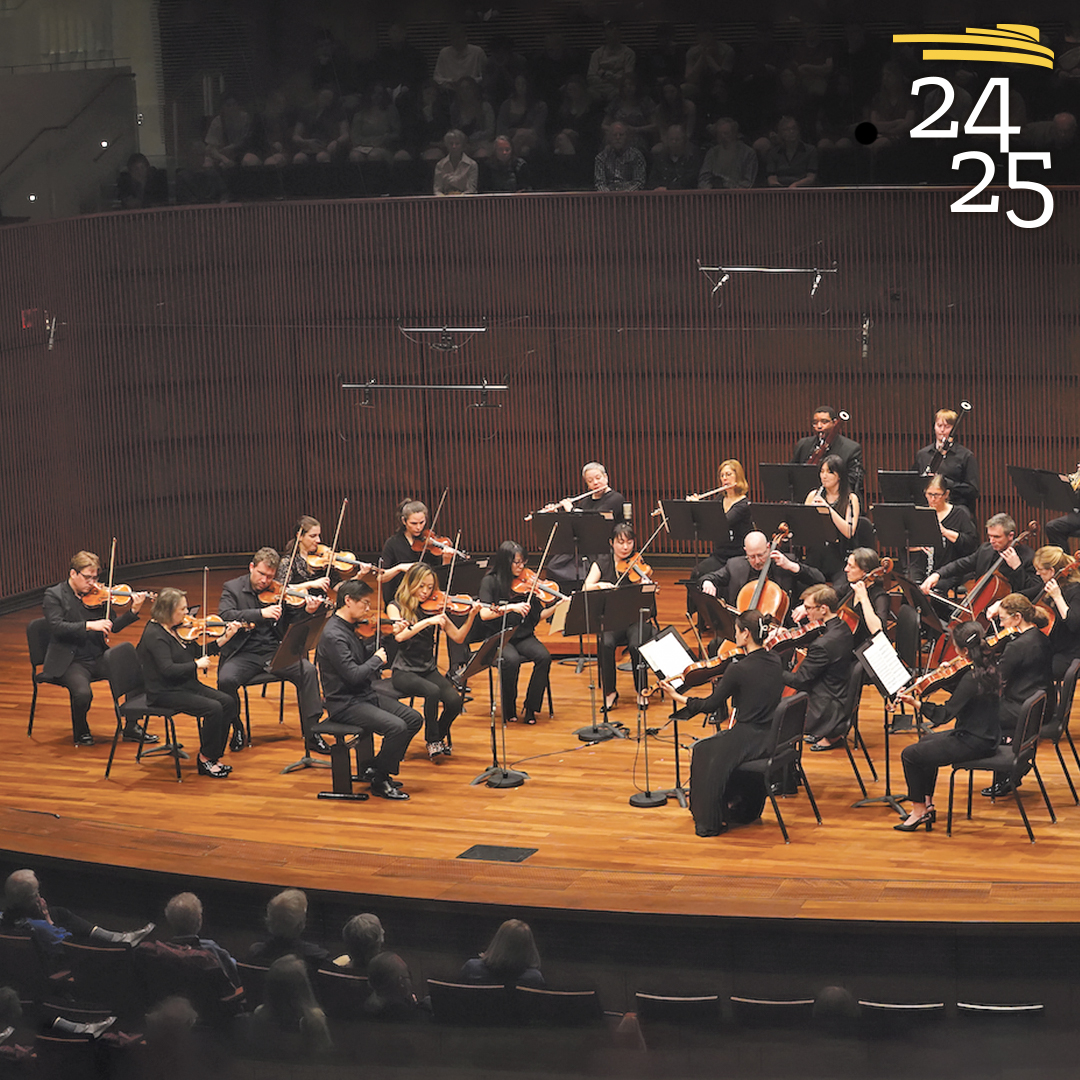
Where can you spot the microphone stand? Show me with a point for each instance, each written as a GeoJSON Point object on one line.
{"type": "Point", "coordinates": [497, 775]}
{"type": "Point", "coordinates": [647, 799]}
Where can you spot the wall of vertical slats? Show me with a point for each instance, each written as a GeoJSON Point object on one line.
{"type": "Point", "coordinates": [191, 404]}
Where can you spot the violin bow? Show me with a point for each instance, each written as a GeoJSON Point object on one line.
{"type": "Point", "coordinates": [543, 559]}
{"type": "Point", "coordinates": [205, 576]}
{"type": "Point", "coordinates": [641, 552]}
{"type": "Point", "coordinates": [378, 609]}
{"type": "Point", "coordinates": [112, 567]}
{"type": "Point", "coordinates": [289, 569]}
{"type": "Point", "coordinates": [431, 523]}
{"type": "Point", "coordinates": [337, 534]}
{"type": "Point", "coordinates": [450, 574]}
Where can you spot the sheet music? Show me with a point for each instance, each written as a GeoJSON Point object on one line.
{"type": "Point", "coordinates": [882, 658]}
{"type": "Point", "coordinates": [666, 654]}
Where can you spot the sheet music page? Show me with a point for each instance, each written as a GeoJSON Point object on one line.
{"type": "Point", "coordinates": [887, 665]}
{"type": "Point", "coordinates": [667, 656]}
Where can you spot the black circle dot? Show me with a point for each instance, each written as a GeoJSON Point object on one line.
{"type": "Point", "coordinates": [865, 133]}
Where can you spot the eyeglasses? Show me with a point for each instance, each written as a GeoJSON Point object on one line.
{"type": "Point", "coordinates": [88, 577]}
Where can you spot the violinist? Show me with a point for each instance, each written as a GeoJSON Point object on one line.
{"type": "Point", "coordinates": [605, 574]}
{"type": "Point", "coordinates": [836, 499]}
{"type": "Point", "coordinates": [1063, 595]}
{"type": "Point", "coordinates": [598, 498]}
{"type": "Point", "coordinates": [78, 638]}
{"type": "Point", "coordinates": [310, 580]}
{"type": "Point", "coordinates": [501, 603]}
{"type": "Point", "coordinates": [1014, 567]}
{"type": "Point", "coordinates": [869, 604]}
{"type": "Point", "coordinates": [349, 670]}
{"type": "Point", "coordinates": [753, 682]}
{"type": "Point", "coordinates": [741, 570]}
{"type": "Point", "coordinates": [974, 705]}
{"type": "Point", "coordinates": [414, 670]}
{"type": "Point", "coordinates": [249, 653]}
{"type": "Point", "coordinates": [171, 671]}
{"type": "Point", "coordinates": [731, 480]}
{"type": "Point", "coordinates": [827, 440]}
{"type": "Point", "coordinates": [825, 671]}
{"type": "Point", "coordinates": [401, 551]}
{"type": "Point", "coordinates": [1026, 667]}
{"type": "Point", "coordinates": [958, 534]}
{"type": "Point", "coordinates": [954, 463]}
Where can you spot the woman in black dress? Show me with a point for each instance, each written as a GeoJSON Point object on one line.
{"type": "Point", "coordinates": [959, 537]}
{"type": "Point", "coordinates": [1063, 596]}
{"type": "Point", "coordinates": [731, 479]}
{"type": "Point", "coordinates": [753, 683]}
{"type": "Point", "coordinates": [974, 705]}
{"type": "Point", "coordinates": [170, 670]}
{"type": "Point", "coordinates": [836, 499]}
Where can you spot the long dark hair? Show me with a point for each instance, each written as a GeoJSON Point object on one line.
{"type": "Point", "coordinates": [754, 623]}
{"type": "Point", "coordinates": [512, 950]}
{"type": "Point", "coordinates": [969, 636]}
{"type": "Point", "coordinates": [502, 565]}
{"type": "Point", "coordinates": [835, 464]}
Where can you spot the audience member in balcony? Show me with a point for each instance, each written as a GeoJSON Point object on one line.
{"type": "Point", "coordinates": [511, 959]}
{"type": "Point", "coordinates": [665, 63]}
{"type": "Point", "coordinates": [322, 131]}
{"type": "Point", "coordinates": [791, 163]}
{"type": "Point", "coordinates": [619, 166]}
{"type": "Point", "coordinates": [271, 141]}
{"type": "Point", "coordinates": [425, 121]}
{"type": "Point", "coordinates": [860, 57]}
{"type": "Point", "coordinates": [25, 911]}
{"type": "Point", "coordinates": [16, 1040]}
{"type": "Point", "coordinates": [553, 65]}
{"type": "Point", "coordinates": [375, 131]}
{"type": "Point", "coordinates": [673, 108]}
{"type": "Point", "coordinates": [392, 996]}
{"type": "Point", "coordinates": [708, 61]}
{"type": "Point", "coordinates": [141, 186]}
{"type": "Point", "coordinates": [399, 66]}
{"type": "Point", "coordinates": [793, 100]}
{"type": "Point", "coordinates": [363, 937]}
{"type": "Point", "coordinates": [610, 64]}
{"type": "Point", "coordinates": [194, 182]}
{"type": "Point", "coordinates": [474, 117]}
{"type": "Point", "coordinates": [676, 166]}
{"type": "Point", "coordinates": [892, 111]}
{"type": "Point", "coordinates": [330, 66]}
{"type": "Point", "coordinates": [579, 116]}
{"type": "Point", "coordinates": [184, 916]}
{"type": "Point", "coordinates": [523, 118]}
{"type": "Point", "coordinates": [457, 173]}
{"type": "Point", "coordinates": [730, 163]}
{"type": "Point", "coordinates": [635, 113]}
{"type": "Point", "coordinates": [504, 65]}
{"type": "Point", "coordinates": [837, 115]}
{"type": "Point", "coordinates": [459, 60]}
{"type": "Point", "coordinates": [228, 138]}
{"type": "Point", "coordinates": [504, 171]}
{"type": "Point", "coordinates": [286, 918]}
{"type": "Point", "coordinates": [812, 62]}
{"type": "Point", "coordinates": [289, 1023]}
{"type": "Point", "coordinates": [753, 84]}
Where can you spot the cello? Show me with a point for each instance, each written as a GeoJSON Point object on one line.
{"type": "Point", "coordinates": [992, 586]}
{"type": "Point", "coordinates": [765, 595]}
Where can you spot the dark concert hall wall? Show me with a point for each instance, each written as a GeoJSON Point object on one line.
{"type": "Point", "coordinates": [190, 403]}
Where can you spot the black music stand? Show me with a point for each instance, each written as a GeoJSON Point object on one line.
{"type": "Point", "coordinates": [788, 482]}
{"type": "Point", "coordinates": [290, 652]}
{"type": "Point", "coordinates": [467, 575]}
{"type": "Point", "coordinates": [902, 487]}
{"type": "Point", "coordinates": [695, 519]}
{"type": "Point", "coordinates": [901, 526]}
{"type": "Point", "coordinates": [715, 613]}
{"type": "Point", "coordinates": [1044, 489]}
{"type": "Point", "coordinates": [929, 620]}
{"type": "Point", "coordinates": [490, 655]}
{"type": "Point", "coordinates": [809, 527]}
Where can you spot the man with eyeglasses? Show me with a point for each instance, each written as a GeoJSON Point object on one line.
{"type": "Point", "coordinates": [78, 638]}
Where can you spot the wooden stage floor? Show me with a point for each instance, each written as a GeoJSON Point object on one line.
{"type": "Point", "coordinates": [594, 852]}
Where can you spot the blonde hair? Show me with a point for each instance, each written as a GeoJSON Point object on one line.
{"type": "Point", "coordinates": [947, 415]}
{"type": "Point", "coordinates": [741, 486]}
{"type": "Point", "coordinates": [1052, 557]}
{"type": "Point", "coordinates": [405, 597]}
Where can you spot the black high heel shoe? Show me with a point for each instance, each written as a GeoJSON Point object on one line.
{"type": "Point", "coordinates": [614, 702]}
{"type": "Point", "coordinates": [927, 819]}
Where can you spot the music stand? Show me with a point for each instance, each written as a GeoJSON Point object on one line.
{"type": "Point", "coordinates": [788, 482]}
{"type": "Point", "coordinates": [695, 519]}
{"type": "Point", "coordinates": [809, 527]}
{"type": "Point", "coordinates": [888, 673]}
{"type": "Point", "coordinates": [467, 575]}
{"type": "Point", "coordinates": [902, 487]}
{"type": "Point", "coordinates": [901, 526]}
{"type": "Point", "coordinates": [1044, 489]}
{"type": "Point", "coordinates": [715, 613]}
{"type": "Point", "coordinates": [488, 655]}
{"type": "Point", "coordinates": [292, 650]}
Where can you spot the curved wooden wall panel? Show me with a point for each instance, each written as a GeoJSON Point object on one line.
{"type": "Point", "coordinates": [191, 401]}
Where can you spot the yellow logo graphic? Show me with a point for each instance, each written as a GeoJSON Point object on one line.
{"type": "Point", "coordinates": [1013, 43]}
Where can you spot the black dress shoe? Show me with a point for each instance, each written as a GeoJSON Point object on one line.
{"type": "Point", "coordinates": [318, 745]}
{"type": "Point", "coordinates": [998, 790]}
{"type": "Point", "coordinates": [385, 789]}
{"type": "Point", "coordinates": [238, 740]}
{"type": "Point", "coordinates": [369, 776]}
{"type": "Point", "coordinates": [84, 740]}
{"type": "Point", "coordinates": [136, 733]}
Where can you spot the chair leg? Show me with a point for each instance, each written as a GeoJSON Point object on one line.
{"type": "Point", "coordinates": [1046, 797]}
{"type": "Point", "coordinates": [281, 705]}
{"type": "Point", "coordinates": [551, 707]}
{"type": "Point", "coordinates": [809, 793]}
{"type": "Point", "coordinates": [1072, 746]}
{"type": "Point", "coordinates": [174, 742]}
{"type": "Point", "coordinates": [855, 768]}
{"type": "Point", "coordinates": [33, 706]}
{"type": "Point", "coordinates": [776, 810]}
{"type": "Point", "coordinates": [1023, 813]}
{"type": "Point", "coordinates": [115, 740]}
{"type": "Point", "coordinates": [247, 712]}
{"type": "Point", "coordinates": [952, 790]}
{"type": "Point", "coordinates": [1068, 778]}
{"type": "Point", "coordinates": [971, 789]}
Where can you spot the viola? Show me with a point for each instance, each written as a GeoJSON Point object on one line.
{"type": "Point", "coordinates": [441, 545]}
{"type": "Point", "coordinates": [635, 570]}
{"type": "Point", "coordinates": [120, 594]}
{"type": "Point", "coordinates": [939, 677]}
{"type": "Point", "coordinates": [459, 604]}
{"type": "Point", "coordinates": [345, 562]}
{"type": "Point", "coordinates": [847, 610]}
{"type": "Point", "coordinates": [369, 627]}
{"type": "Point", "coordinates": [1040, 601]}
{"type": "Point", "coordinates": [293, 596]}
{"type": "Point", "coordinates": [211, 628]}
{"type": "Point", "coordinates": [547, 592]}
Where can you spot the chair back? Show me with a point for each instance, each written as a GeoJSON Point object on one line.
{"type": "Point", "coordinates": [772, 1012]}
{"type": "Point", "coordinates": [560, 1008]}
{"type": "Point", "coordinates": [37, 641]}
{"type": "Point", "coordinates": [1026, 738]}
{"type": "Point", "coordinates": [104, 977]}
{"type": "Point", "coordinates": [1060, 723]}
{"type": "Point", "coordinates": [694, 1010]}
{"type": "Point", "coordinates": [253, 977]}
{"type": "Point", "coordinates": [471, 1004]}
{"type": "Point", "coordinates": [342, 993]}
{"type": "Point", "coordinates": [123, 670]}
{"type": "Point", "coordinates": [788, 723]}
{"type": "Point", "coordinates": [22, 967]}
{"type": "Point", "coordinates": [167, 968]}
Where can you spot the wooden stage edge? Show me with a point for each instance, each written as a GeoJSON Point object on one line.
{"type": "Point", "coordinates": [594, 853]}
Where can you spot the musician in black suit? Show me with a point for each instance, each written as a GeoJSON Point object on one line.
{"type": "Point", "coordinates": [1015, 560]}
{"type": "Point", "coordinates": [249, 653]}
{"type": "Point", "coordinates": [78, 638]}
{"type": "Point", "coordinates": [825, 671]}
{"type": "Point", "coordinates": [957, 463]}
{"type": "Point", "coordinates": [743, 569]}
{"type": "Point", "coordinates": [827, 438]}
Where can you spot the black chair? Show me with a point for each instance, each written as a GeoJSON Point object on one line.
{"type": "Point", "coordinates": [986, 1014]}
{"type": "Point", "coordinates": [785, 756]}
{"type": "Point", "coordinates": [342, 993]}
{"type": "Point", "coordinates": [772, 1012]}
{"type": "Point", "coordinates": [1058, 728]}
{"type": "Point", "coordinates": [22, 969]}
{"type": "Point", "coordinates": [167, 968]}
{"type": "Point", "coordinates": [560, 1008]}
{"type": "Point", "coordinates": [37, 640]}
{"type": "Point", "coordinates": [1012, 761]}
{"type": "Point", "coordinates": [891, 1018]}
{"type": "Point", "coordinates": [103, 976]}
{"type": "Point", "coordinates": [128, 690]}
{"type": "Point", "coordinates": [848, 732]}
{"type": "Point", "coordinates": [471, 1004]}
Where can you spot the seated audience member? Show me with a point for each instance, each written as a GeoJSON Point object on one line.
{"type": "Point", "coordinates": [523, 118]}
{"type": "Point", "coordinates": [271, 140]}
{"type": "Point", "coordinates": [578, 117]}
{"type": "Point", "coordinates": [609, 64]}
{"type": "Point", "coordinates": [709, 61]}
{"type": "Point", "coordinates": [322, 130]}
{"type": "Point", "coordinates": [676, 166]}
{"type": "Point", "coordinates": [665, 63]}
{"type": "Point", "coordinates": [286, 917]}
{"type": "Point", "coordinates": [173, 1051]}
{"type": "Point", "coordinates": [392, 996]}
{"type": "Point", "coordinates": [634, 112]}
{"type": "Point", "coordinates": [229, 136]}
{"type": "Point", "coordinates": [363, 938]}
{"type": "Point", "coordinates": [619, 167]}
{"type": "Point", "coordinates": [511, 958]}
{"type": "Point", "coordinates": [730, 163]}
{"type": "Point", "coordinates": [473, 117]}
{"type": "Point", "coordinates": [184, 916]}
{"type": "Point", "coordinates": [375, 131]}
{"type": "Point", "coordinates": [457, 173]}
{"type": "Point", "coordinates": [424, 119]}
{"type": "Point", "coordinates": [25, 911]}
{"type": "Point", "coordinates": [673, 109]}
{"type": "Point", "coordinates": [791, 164]}
{"type": "Point", "coordinates": [141, 186]}
{"type": "Point", "coordinates": [892, 111]}
{"type": "Point", "coordinates": [504, 65]}
{"type": "Point", "coordinates": [504, 170]}
{"type": "Point", "coordinates": [16, 1042]}
{"type": "Point", "coordinates": [289, 1022]}
{"type": "Point", "coordinates": [459, 60]}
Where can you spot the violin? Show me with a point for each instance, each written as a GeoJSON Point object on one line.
{"type": "Point", "coordinates": [939, 677]}
{"type": "Point", "coordinates": [211, 628]}
{"type": "Point", "coordinates": [635, 570]}
{"type": "Point", "coordinates": [1040, 601]}
{"type": "Point", "coordinates": [345, 562]}
{"type": "Point", "coordinates": [293, 596]}
{"type": "Point", "coordinates": [369, 627]}
{"type": "Point", "coordinates": [441, 545]}
{"type": "Point", "coordinates": [847, 611]}
{"type": "Point", "coordinates": [120, 595]}
{"type": "Point", "coordinates": [794, 637]}
{"type": "Point", "coordinates": [460, 604]}
{"type": "Point", "coordinates": [546, 592]}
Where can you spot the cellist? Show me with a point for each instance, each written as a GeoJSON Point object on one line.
{"type": "Point", "coordinates": [743, 569]}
